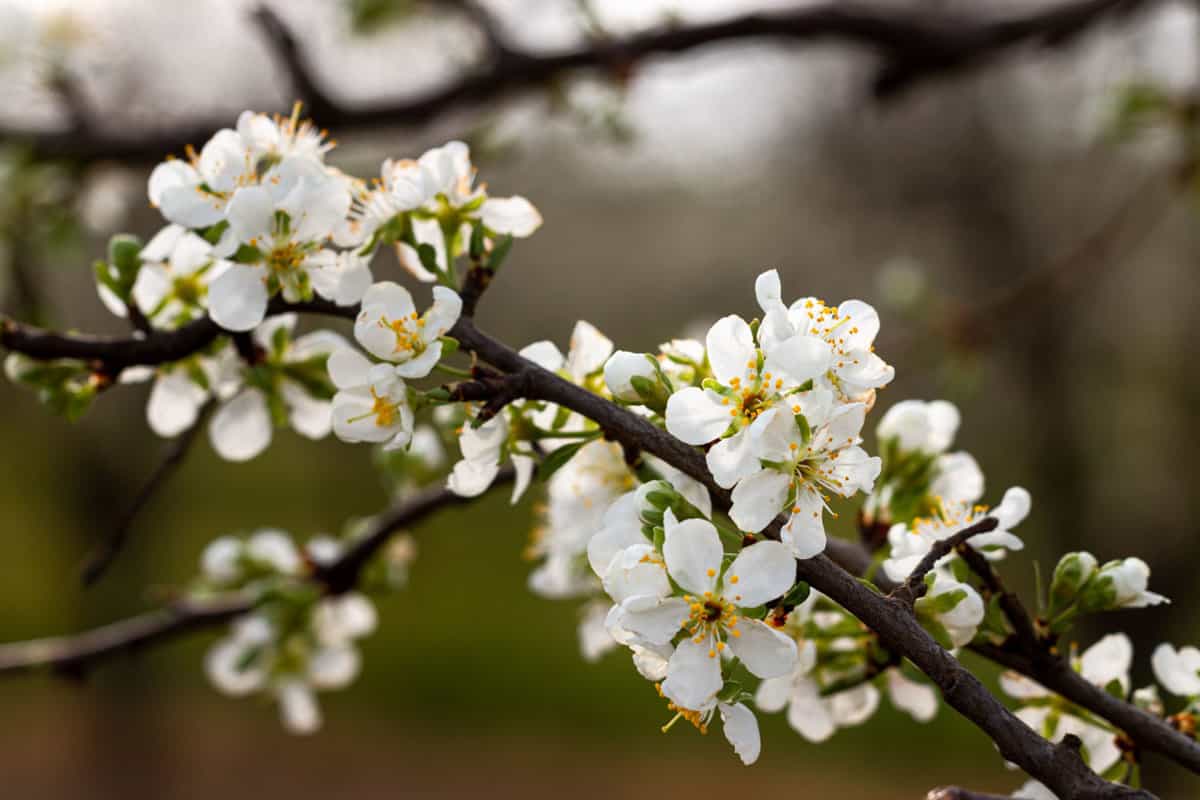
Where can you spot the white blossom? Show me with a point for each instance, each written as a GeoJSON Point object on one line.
{"type": "Point", "coordinates": [1177, 670]}
{"type": "Point", "coordinates": [1105, 662]}
{"type": "Point", "coordinates": [854, 370]}
{"type": "Point", "coordinates": [800, 463]}
{"type": "Point", "coordinates": [390, 328]}
{"type": "Point", "coordinates": [911, 542]}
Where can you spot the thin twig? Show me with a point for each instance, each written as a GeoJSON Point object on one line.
{"type": "Point", "coordinates": [107, 550]}
{"type": "Point", "coordinates": [74, 655]}
{"type": "Point", "coordinates": [914, 585]}
{"type": "Point", "coordinates": [1010, 604]}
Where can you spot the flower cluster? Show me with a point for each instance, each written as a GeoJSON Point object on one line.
{"type": "Point", "coordinates": [296, 641]}
{"type": "Point", "coordinates": [784, 410]}
{"type": "Point", "coordinates": [838, 675]}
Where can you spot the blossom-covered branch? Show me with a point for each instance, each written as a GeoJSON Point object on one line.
{"type": "Point", "coordinates": [913, 45]}
{"type": "Point", "coordinates": [688, 490]}
{"type": "Point", "coordinates": [74, 655]}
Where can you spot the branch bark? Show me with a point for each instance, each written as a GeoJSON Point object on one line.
{"type": "Point", "coordinates": [912, 45]}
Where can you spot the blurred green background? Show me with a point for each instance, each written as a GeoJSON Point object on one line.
{"type": "Point", "coordinates": [661, 207]}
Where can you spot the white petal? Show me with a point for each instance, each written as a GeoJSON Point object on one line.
{"type": "Point", "coordinates": [298, 707]}
{"type": "Point", "coordinates": [1107, 660]}
{"type": "Point", "coordinates": [773, 694]}
{"type": "Point", "coordinates": [763, 572]}
{"type": "Point", "coordinates": [348, 368]}
{"type": "Point", "coordinates": [174, 403]}
{"type": "Point", "coordinates": [659, 623]}
{"type": "Point", "coordinates": [1014, 508]}
{"type": "Point", "coordinates": [918, 699]}
{"type": "Point", "coordinates": [809, 714]}
{"type": "Point", "coordinates": [446, 308]}
{"type": "Point", "coordinates": [758, 499]}
{"type": "Point", "coordinates": [693, 554]}
{"type": "Point", "coordinates": [514, 215]}
{"type": "Point", "coordinates": [334, 667]}
{"type": "Point", "coordinates": [588, 351]}
{"type": "Point", "coordinates": [545, 354]}
{"type": "Point", "coordinates": [731, 350]}
{"type": "Point", "coordinates": [959, 478]}
{"type": "Point", "coordinates": [768, 291]}
{"type": "Point", "coordinates": [765, 651]}
{"type": "Point", "coordinates": [251, 214]}
{"type": "Point", "coordinates": [309, 416]}
{"type": "Point", "coordinates": [801, 358]}
{"type": "Point", "coordinates": [741, 729]}
{"type": "Point", "coordinates": [693, 675]}
{"type": "Point", "coordinates": [523, 466]}
{"type": "Point", "coordinates": [241, 428]}
{"type": "Point", "coordinates": [237, 300]}
{"type": "Point", "coordinates": [696, 416]}
{"type": "Point", "coordinates": [804, 532]}
{"type": "Point", "coordinates": [733, 459]}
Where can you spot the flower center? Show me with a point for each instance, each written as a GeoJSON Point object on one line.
{"type": "Point", "coordinates": [188, 289]}
{"type": "Point", "coordinates": [711, 617]}
{"type": "Point", "coordinates": [285, 258]}
{"type": "Point", "coordinates": [407, 331]}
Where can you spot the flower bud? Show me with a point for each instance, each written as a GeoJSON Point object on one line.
{"type": "Point", "coordinates": [1119, 584]}
{"type": "Point", "coordinates": [635, 378]}
{"type": "Point", "coordinates": [1074, 570]}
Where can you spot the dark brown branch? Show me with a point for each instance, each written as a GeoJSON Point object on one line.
{"type": "Point", "coordinates": [74, 655]}
{"type": "Point", "coordinates": [343, 574]}
{"type": "Point", "coordinates": [106, 552]}
{"type": "Point", "coordinates": [914, 585]}
{"type": "Point", "coordinates": [1014, 610]}
{"type": "Point", "coordinates": [1059, 768]}
{"type": "Point", "coordinates": [913, 45]}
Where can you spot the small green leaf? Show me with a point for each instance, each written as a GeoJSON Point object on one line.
{"type": "Point", "coordinates": [500, 250]}
{"type": "Point", "coordinates": [556, 460]}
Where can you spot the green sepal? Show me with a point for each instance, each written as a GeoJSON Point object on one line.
{"type": "Point", "coordinates": [557, 459]}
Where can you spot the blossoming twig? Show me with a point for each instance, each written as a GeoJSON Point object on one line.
{"type": "Point", "coordinates": [914, 586]}
{"type": "Point", "coordinates": [73, 655]}
{"type": "Point", "coordinates": [1010, 604]}
{"type": "Point", "coordinates": [830, 574]}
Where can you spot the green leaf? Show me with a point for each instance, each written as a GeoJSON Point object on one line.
{"type": "Point", "coordinates": [428, 256]}
{"type": "Point", "coordinates": [475, 248]}
{"type": "Point", "coordinates": [247, 254]}
{"type": "Point", "coordinates": [797, 594]}
{"type": "Point", "coordinates": [450, 345]}
{"type": "Point", "coordinates": [556, 460]}
{"type": "Point", "coordinates": [500, 250]}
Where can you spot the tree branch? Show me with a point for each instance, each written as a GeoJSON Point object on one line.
{"type": "Point", "coordinates": [1010, 604]}
{"type": "Point", "coordinates": [73, 655]}
{"type": "Point", "coordinates": [913, 45]}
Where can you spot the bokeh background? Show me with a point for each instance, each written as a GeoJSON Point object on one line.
{"type": "Point", "coordinates": [1026, 265]}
